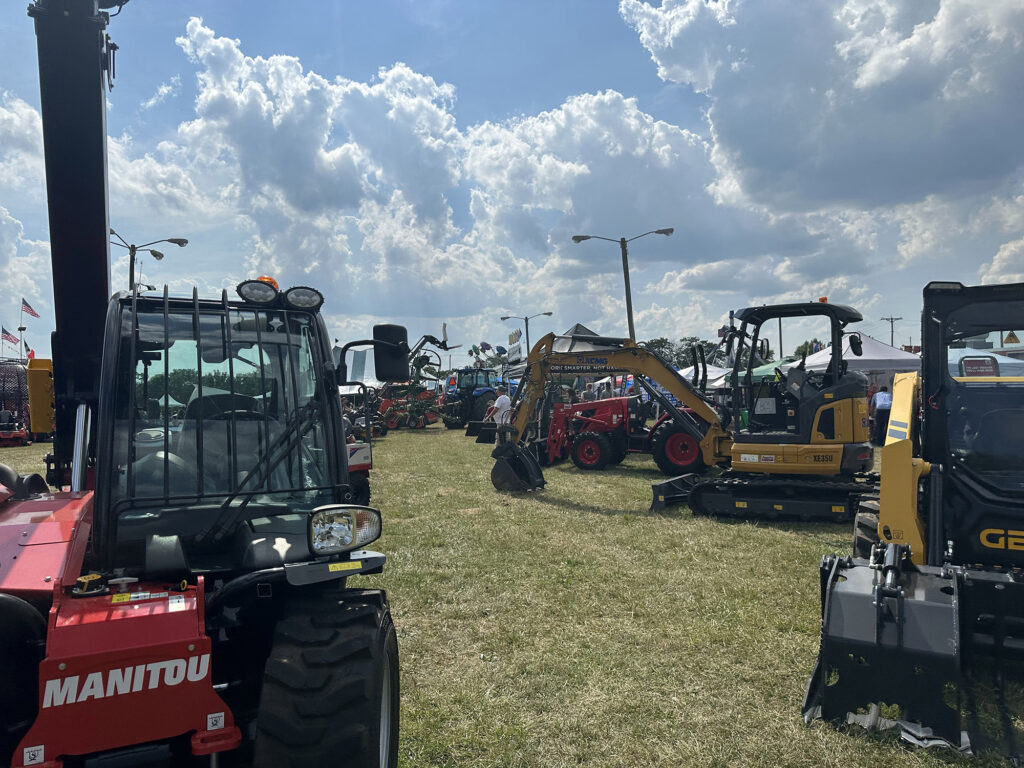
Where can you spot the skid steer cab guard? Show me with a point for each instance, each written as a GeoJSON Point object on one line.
{"type": "Point", "coordinates": [922, 626]}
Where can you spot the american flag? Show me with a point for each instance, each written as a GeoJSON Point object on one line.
{"type": "Point", "coordinates": [27, 308]}
{"type": "Point", "coordinates": [8, 336]}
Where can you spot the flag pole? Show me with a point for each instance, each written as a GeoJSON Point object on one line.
{"type": "Point", "coordinates": [21, 331]}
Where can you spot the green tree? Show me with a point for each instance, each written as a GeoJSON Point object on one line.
{"type": "Point", "coordinates": [807, 348]}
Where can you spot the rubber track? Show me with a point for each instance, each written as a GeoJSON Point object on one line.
{"type": "Point", "coordinates": [743, 487]}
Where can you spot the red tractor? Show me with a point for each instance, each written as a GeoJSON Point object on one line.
{"type": "Point", "coordinates": [184, 589]}
{"type": "Point", "coordinates": [600, 433]}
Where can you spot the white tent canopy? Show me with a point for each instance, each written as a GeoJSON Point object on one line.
{"type": "Point", "coordinates": [877, 357]}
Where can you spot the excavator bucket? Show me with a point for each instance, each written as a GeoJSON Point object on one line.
{"type": "Point", "coordinates": [515, 468]}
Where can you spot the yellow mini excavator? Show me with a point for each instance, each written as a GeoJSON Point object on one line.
{"type": "Point", "coordinates": [798, 445]}
{"type": "Point", "coordinates": [932, 601]}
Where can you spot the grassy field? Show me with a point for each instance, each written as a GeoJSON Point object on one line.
{"type": "Point", "coordinates": [570, 627]}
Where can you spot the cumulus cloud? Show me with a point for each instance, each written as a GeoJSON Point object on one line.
{"type": "Point", "coordinates": [1007, 266]}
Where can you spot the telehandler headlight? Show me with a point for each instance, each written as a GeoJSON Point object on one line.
{"type": "Point", "coordinates": [260, 291]}
{"type": "Point", "coordinates": [301, 297]}
{"type": "Point", "coordinates": [338, 528]}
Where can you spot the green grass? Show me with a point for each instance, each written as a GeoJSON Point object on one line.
{"type": "Point", "coordinates": [570, 627]}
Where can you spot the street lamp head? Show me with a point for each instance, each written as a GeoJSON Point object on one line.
{"type": "Point", "coordinates": [156, 254]}
{"type": "Point", "coordinates": [580, 238]}
{"type": "Point", "coordinates": [666, 231]}
{"type": "Point", "coordinates": [505, 317]}
{"type": "Point", "coordinates": [546, 313]}
{"type": "Point", "coordinates": [181, 242]}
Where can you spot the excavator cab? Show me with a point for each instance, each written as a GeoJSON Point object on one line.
{"type": "Point", "coordinates": [810, 416]}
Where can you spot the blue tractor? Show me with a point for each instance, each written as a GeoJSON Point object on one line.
{"type": "Point", "coordinates": [468, 394]}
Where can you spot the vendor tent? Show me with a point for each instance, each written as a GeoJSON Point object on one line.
{"type": "Point", "coordinates": [877, 357]}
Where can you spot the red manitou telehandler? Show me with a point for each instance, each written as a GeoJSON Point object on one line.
{"type": "Point", "coordinates": [184, 591]}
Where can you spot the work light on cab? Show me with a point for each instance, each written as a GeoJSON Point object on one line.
{"type": "Point", "coordinates": [302, 297]}
{"type": "Point", "coordinates": [338, 528]}
{"type": "Point", "coordinates": [262, 290]}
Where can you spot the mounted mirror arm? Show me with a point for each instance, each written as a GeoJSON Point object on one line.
{"type": "Point", "coordinates": [856, 344]}
{"type": "Point", "coordinates": [390, 354]}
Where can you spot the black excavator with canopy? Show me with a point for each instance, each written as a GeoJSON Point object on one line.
{"type": "Point", "coordinates": [923, 622]}
{"type": "Point", "coordinates": [791, 445]}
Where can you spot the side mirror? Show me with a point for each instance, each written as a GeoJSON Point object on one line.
{"type": "Point", "coordinates": [390, 352]}
{"type": "Point", "coordinates": [856, 345]}
{"type": "Point", "coordinates": [764, 349]}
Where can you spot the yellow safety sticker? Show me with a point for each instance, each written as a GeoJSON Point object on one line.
{"type": "Point", "coordinates": [777, 506]}
{"type": "Point", "coordinates": [120, 597]}
{"type": "Point", "coordinates": [741, 504]}
{"type": "Point", "coordinates": [89, 577]}
{"type": "Point", "coordinates": [829, 395]}
{"type": "Point", "coordinates": [838, 508]}
{"type": "Point", "coordinates": [352, 565]}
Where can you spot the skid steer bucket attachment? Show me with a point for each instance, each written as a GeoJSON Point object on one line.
{"type": "Point", "coordinates": [890, 637]}
{"type": "Point", "coordinates": [488, 433]}
{"type": "Point", "coordinates": [515, 468]}
{"type": "Point", "coordinates": [473, 428]}
{"type": "Point", "coordinates": [675, 490]}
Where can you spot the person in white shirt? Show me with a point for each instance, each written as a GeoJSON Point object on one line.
{"type": "Point", "coordinates": [498, 413]}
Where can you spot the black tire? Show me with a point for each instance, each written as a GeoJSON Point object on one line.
{"type": "Point", "coordinates": [591, 450]}
{"type": "Point", "coordinates": [330, 687]}
{"type": "Point", "coordinates": [481, 405]}
{"type": "Point", "coordinates": [675, 450]}
{"type": "Point", "coordinates": [865, 529]}
{"type": "Point", "coordinates": [620, 446]}
{"type": "Point", "coordinates": [360, 483]}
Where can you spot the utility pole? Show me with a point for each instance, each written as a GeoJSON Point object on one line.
{"type": "Point", "coordinates": [892, 328]}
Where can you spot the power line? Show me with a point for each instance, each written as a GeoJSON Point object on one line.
{"type": "Point", "coordinates": [892, 329]}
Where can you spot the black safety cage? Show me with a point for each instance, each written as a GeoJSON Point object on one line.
{"type": "Point", "coordinates": [108, 508]}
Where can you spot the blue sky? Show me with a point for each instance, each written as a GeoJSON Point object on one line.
{"type": "Point", "coordinates": [427, 162]}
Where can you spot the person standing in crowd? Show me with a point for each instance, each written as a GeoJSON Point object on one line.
{"type": "Point", "coordinates": [588, 393]}
{"type": "Point", "coordinates": [498, 412]}
{"type": "Point", "coordinates": [881, 405]}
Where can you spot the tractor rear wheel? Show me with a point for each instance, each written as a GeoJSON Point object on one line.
{"type": "Point", "coordinates": [591, 450]}
{"type": "Point", "coordinates": [330, 687]}
{"type": "Point", "coordinates": [481, 405]}
{"type": "Point", "coordinates": [676, 451]}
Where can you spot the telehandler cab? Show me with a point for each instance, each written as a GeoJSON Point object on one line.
{"type": "Point", "coordinates": [184, 590]}
{"type": "Point", "coordinates": [931, 603]}
{"type": "Point", "coordinates": [802, 452]}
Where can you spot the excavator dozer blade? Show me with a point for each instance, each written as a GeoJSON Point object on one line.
{"type": "Point", "coordinates": [675, 490]}
{"type": "Point", "coordinates": [473, 428]}
{"type": "Point", "coordinates": [515, 468]}
{"type": "Point", "coordinates": [488, 433]}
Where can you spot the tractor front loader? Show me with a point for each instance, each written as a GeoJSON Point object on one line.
{"type": "Point", "coordinates": [923, 622]}
{"type": "Point", "coordinates": [803, 451]}
{"type": "Point", "coordinates": [184, 590]}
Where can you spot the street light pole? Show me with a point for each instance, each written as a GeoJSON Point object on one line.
{"type": "Point", "coordinates": [526, 321]}
{"type": "Point", "coordinates": [181, 242]}
{"type": "Point", "coordinates": [625, 266]}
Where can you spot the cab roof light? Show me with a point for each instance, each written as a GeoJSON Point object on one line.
{"type": "Point", "coordinates": [304, 297]}
{"type": "Point", "coordinates": [262, 290]}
